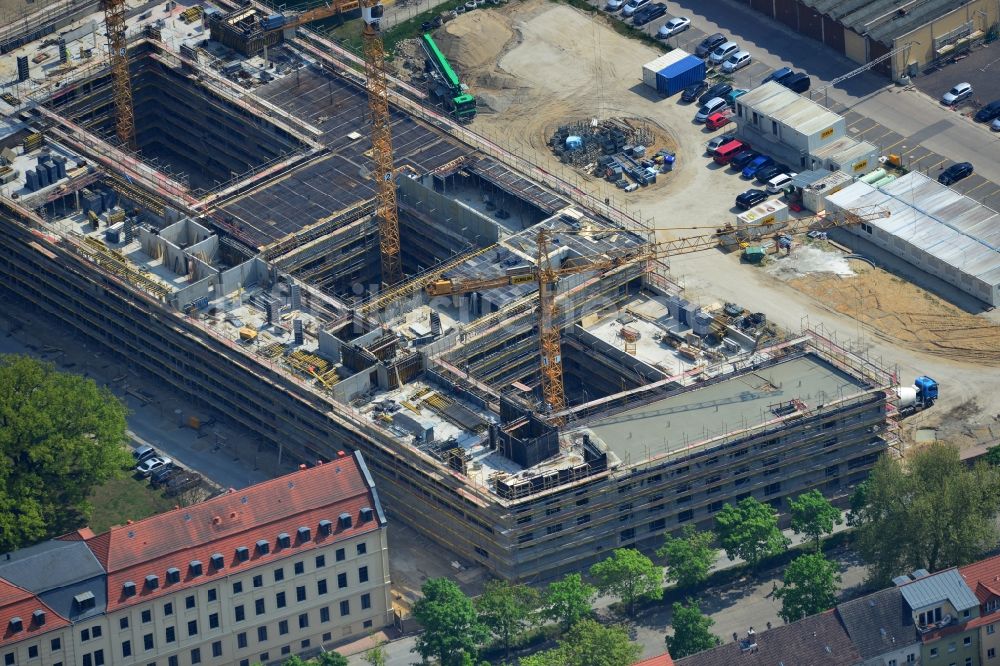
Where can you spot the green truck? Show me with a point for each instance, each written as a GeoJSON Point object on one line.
{"type": "Point", "coordinates": [443, 83]}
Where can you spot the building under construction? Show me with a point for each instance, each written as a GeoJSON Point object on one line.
{"type": "Point", "coordinates": [235, 258]}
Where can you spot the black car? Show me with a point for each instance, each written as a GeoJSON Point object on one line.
{"type": "Point", "coordinates": [750, 198]}
{"type": "Point", "coordinates": [651, 13]}
{"type": "Point", "coordinates": [692, 92]}
{"type": "Point", "coordinates": [162, 475]}
{"type": "Point", "coordinates": [718, 90]}
{"type": "Point", "coordinates": [989, 112]}
{"type": "Point", "coordinates": [741, 159]}
{"type": "Point", "coordinates": [708, 44]}
{"type": "Point", "coordinates": [798, 82]}
{"type": "Point", "coordinates": [955, 173]}
{"type": "Point", "coordinates": [769, 172]}
{"type": "Point", "coordinates": [778, 75]}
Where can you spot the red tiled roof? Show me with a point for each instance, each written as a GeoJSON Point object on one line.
{"type": "Point", "coordinates": [662, 660]}
{"type": "Point", "coordinates": [81, 534]}
{"type": "Point", "coordinates": [18, 602]}
{"type": "Point", "coordinates": [982, 577]}
{"type": "Point", "coordinates": [239, 518]}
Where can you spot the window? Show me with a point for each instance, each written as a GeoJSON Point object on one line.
{"type": "Point", "coordinates": [627, 535]}
{"type": "Point", "coordinates": [363, 574]}
{"type": "Point", "coordinates": [8, 659]}
{"type": "Point", "coordinates": [772, 488]}
{"type": "Point", "coordinates": [258, 581]}
{"type": "Point", "coordinates": [583, 502]}
{"type": "Point", "coordinates": [340, 554]}
{"type": "Point", "coordinates": [238, 587]}
{"type": "Point", "coordinates": [552, 529]}
{"type": "Point", "coordinates": [264, 656]}
{"type": "Point", "coordinates": [867, 228]}
{"type": "Point", "coordinates": [261, 634]}
{"type": "Point", "coordinates": [123, 623]}
{"type": "Point", "coordinates": [967, 641]}
{"type": "Point", "coordinates": [85, 635]}
{"type": "Point", "coordinates": [240, 613]}
{"type": "Point", "coordinates": [657, 525]}
{"type": "Point", "coordinates": [286, 649]}
{"type": "Point", "coordinates": [258, 606]}
{"type": "Point", "coordinates": [279, 574]}
{"type": "Point", "coordinates": [196, 656]}
{"type": "Point", "coordinates": [552, 510]}
{"type": "Point", "coordinates": [991, 629]}
{"type": "Point", "coordinates": [583, 520]}
{"type": "Point", "coordinates": [306, 643]}
{"type": "Point", "coordinates": [952, 647]}
{"type": "Point", "coordinates": [280, 599]}
{"type": "Point", "coordinates": [213, 621]}
{"type": "Point", "coordinates": [367, 624]}
{"type": "Point", "coordinates": [283, 627]}
{"type": "Point", "coordinates": [126, 648]}
{"type": "Point", "coordinates": [300, 593]}
{"type": "Point", "coordinates": [362, 548]}
{"type": "Point", "coordinates": [147, 616]}
{"type": "Point", "coordinates": [56, 644]}
{"type": "Point", "coordinates": [320, 561]}
{"type": "Point", "coordinates": [934, 652]}
{"type": "Point", "coordinates": [213, 594]}
{"type": "Point", "coordinates": [172, 661]}
{"type": "Point", "coordinates": [217, 649]}
{"type": "Point", "coordinates": [193, 628]}
{"type": "Point", "coordinates": [147, 642]}
{"type": "Point", "coordinates": [968, 661]}
{"type": "Point", "coordinates": [170, 634]}
{"type": "Point", "coordinates": [324, 614]}
{"type": "Point", "coordinates": [341, 581]}
{"type": "Point", "coordinates": [189, 601]}
{"type": "Point", "coordinates": [300, 568]}
{"type": "Point", "coordinates": [366, 601]}
{"type": "Point", "coordinates": [87, 660]}
{"type": "Point", "coordinates": [241, 639]}
{"type": "Point", "coordinates": [32, 652]}
{"type": "Point", "coordinates": [304, 619]}
{"type": "Point", "coordinates": [991, 653]}
{"type": "Point", "coordinates": [321, 586]}
{"type": "Point", "coordinates": [685, 516]}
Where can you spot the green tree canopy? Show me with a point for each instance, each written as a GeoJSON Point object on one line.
{"type": "Point", "coordinates": [569, 600]}
{"type": "Point", "coordinates": [750, 531]}
{"type": "Point", "coordinates": [813, 515]}
{"type": "Point", "coordinates": [295, 660]}
{"type": "Point", "coordinates": [630, 576]}
{"type": "Point", "coordinates": [60, 436]}
{"type": "Point", "coordinates": [810, 587]}
{"type": "Point", "coordinates": [992, 456]}
{"type": "Point", "coordinates": [931, 513]}
{"type": "Point", "coordinates": [507, 610]}
{"type": "Point", "coordinates": [331, 659]}
{"type": "Point", "coordinates": [451, 624]}
{"type": "Point", "coordinates": [375, 655]}
{"type": "Point", "coordinates": [692, 630]}
{"type": "Point", "coordinates": [688, 557]}
{"type": "Point", "coordinates": [589, 643]}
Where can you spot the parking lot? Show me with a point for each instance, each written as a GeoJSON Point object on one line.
{"type": "Point", "coordinates": [981, 68]}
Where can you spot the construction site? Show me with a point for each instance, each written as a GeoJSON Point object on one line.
{"type": "Point", "coordinates": [303, 246]}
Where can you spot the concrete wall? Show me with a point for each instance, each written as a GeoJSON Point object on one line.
{"type": "Point", "coordinates": [855, 47]}
{"type": "Point", "coordinates": [456, 216]}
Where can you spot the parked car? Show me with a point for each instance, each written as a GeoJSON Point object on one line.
{"type": "Point", "coordinates": [692, 92]}
{"type": "Point", "coordinates": [632, 6]}
{"type": "Point", "coordinates": [614, 5]}
{"type": "Point", "coordinates": [648, 14]}
{"type": "Point", "coordinates": [995, 125]}
{"type": "Point", "coordinates": [955, 173]}
{"type": "Point", "coordinates": [144, 452]}
{"type": "Point", "coordinates": [750, 170]}
{"type": "Point", "coordinates": [733, 94]}
{"type": "Point", "coordinates": [750, 198]}
{"type": "Point", "coordinates": [150, 465]}
{"type": "Point", "coordinates": [718, 90]}
{"type": "Point", "coordinates": [162, 475]}
{"type": "Point", "coordinates": [738, 60]}
{"type": "Point", "coordinates": [719, 119]}
{"type": "Point", "coordinates": [743, 158]}
{"type": "Point", "coordinates": [778, 184]}
{"type": "Point", "coordinates": [722, 52]}
{"type": "Point", "coordinates": [960, 92]}
{"type": "Point", "coordinates": [710, 107]}
{"type": "Point", "coordinates": [989, 112]}
{"type": "Point", "coordinates": [766, 173]}
{"type": "Point", "coordinates": [674, 26]}
{"type": "Point", "coordinates": [708, 44]}
{"type": "Point", "coordinates": [778, 75]}
{"type": "Point", "coordinates": [718, 141]}
{"type": "Point", "coordinates": [797, 82]}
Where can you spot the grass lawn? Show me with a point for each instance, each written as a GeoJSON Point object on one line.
{"type": "Point", "coordinates": [123, 499]}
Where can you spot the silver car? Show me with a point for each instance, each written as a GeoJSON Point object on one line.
{"type": "Point", "coordinates": [711, 106]}
{"type": "Point", "coordinates": [674, 26]}
{"type": "Point", "coordinates": [147, 467]}
{"type": "Point", "coordinates": [960, 92]}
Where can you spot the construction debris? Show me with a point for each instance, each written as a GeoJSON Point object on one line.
{"type": "Point", "coordinates": [612, 149]}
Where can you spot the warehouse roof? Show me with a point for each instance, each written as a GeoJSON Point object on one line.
{"type": "Point", "coordinates": [881, 19]}
{"type": "Point", "coordinates": [845, 150]}
{"type": "Point", "coordinates": [789, 108]}
{"type": "Point", "coordinates": [954, 228]}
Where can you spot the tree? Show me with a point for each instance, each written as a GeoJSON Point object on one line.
{"type": "Point", "coordinates": [689, 557]}
{"type": "Point", "coordinates": [813, 515]}
{"type": "Point", "coordinates": [810, 587]}
{"type": "Point", "coordinates": [750, 531]}
{"type": "Point", "coordinates": [375, 655]}
{"type": "Point", "coordinates": [630, 576]}
{"type": "Point", "coordinates": [569, 600]}
{"type": "Point", "coordinates": [295, 660]}
{"type": "Point", "coordinates": [451, 625]}
{"type": "Point", "coordinates": [992, 456]}
{"type": "Point", "coordinates": [931, 513]}
{"type": "Point", "coordinates": [507, 610]}
{"type": "Point", "coordinates": [589, 643]}
{"type": "Point", "coordinates": [60, 436]}
{"type": "Point", "coordinates": [332, 659]}
{"type": "Point", "coordinates": [691, 630]}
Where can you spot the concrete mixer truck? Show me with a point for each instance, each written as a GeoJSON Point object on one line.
{"type": "Point", "coordinates": [917, 397]}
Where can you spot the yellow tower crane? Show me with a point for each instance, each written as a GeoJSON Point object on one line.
{"type": "Point", "coordinates": [121, 79]}
{"type": "Point", "coordinates": [549, 339]}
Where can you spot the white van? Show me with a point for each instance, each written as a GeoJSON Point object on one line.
{"type": "Point", "coordinates": [779, 182]}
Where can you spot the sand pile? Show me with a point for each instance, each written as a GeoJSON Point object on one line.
{"type": "Point", "coordinates": [475, 39]}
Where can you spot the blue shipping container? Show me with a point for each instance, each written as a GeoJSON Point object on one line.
{"type": "Point", "coordinates": [674, 78]}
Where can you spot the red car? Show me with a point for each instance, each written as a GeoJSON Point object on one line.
{"type": "Point", "coordinates": [718, 119]}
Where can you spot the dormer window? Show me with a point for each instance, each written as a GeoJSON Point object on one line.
{"type": "Point", "coordinates": [128, 589]}
{"type": "Point", "coordinates": [284, 540]}
{"type": "Point", "coordinates": [173, 575]}
{"type": "Point", "coordinates": [16, 625]}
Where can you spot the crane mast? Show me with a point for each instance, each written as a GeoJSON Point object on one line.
{"type": "Point", "coordinates": [121, 80]}
{"type": "Point", "coordinates": [378, 107]}
{"type": "Point", "coordinates": [549, 347]}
